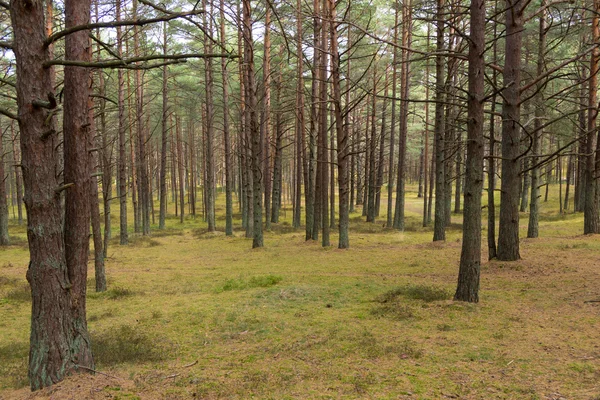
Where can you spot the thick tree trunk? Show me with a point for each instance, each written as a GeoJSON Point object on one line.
{"type": "Point", "coordinates": [52, 324]}
{"type": "Point", "coordinates": [508, 236]}
{"type": "Point", "coordinates": [470, 257]}
{"type": "Point", "coordinates": [265, 125]}
{"type": "Point", "coordinates": [591, 224]}
{"type": "Point", "coordinates": [341, 130]}
{"type": "Point", "coordinates": [254, 129]}
{"type": "Point", "coordinates": [76, 127]}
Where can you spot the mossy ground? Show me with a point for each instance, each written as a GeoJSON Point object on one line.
{"type": "Point", "coordinates": [190, 314]}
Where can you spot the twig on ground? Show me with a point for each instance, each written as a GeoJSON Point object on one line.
{"type": "Point", "coordinates": [97, 372]}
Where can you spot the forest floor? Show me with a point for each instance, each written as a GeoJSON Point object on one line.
{"type": "Point", "coordinates": [195, 315]}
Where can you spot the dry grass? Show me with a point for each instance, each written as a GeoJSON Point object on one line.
{"type": "Point", "coordinates": [294, 320]}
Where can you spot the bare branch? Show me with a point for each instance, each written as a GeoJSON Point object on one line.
{"type": "Point", "coordinates": [125, 62]}
{"type": "Point", "coordinates": [8, 114]}
{"type": "Point", "coordinates": [60, 34]}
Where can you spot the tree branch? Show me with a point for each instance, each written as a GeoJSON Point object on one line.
{"type": "Point", "coordinates": [60, 34]}
{"type": "Point", "coordinates": [8, 114]}
{"type": "Point", "coordinates": [125, 62]}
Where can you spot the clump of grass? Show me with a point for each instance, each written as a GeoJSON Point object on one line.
{"type": "Point", "coordinates": [416, 292]}
{"type": "Point", "coordinates": [21, 293]}
{"type": "Point", "coordinates": [203, 233]}
{"type": "Point", "coordinates": [127, 344]}
{"type": "Point", "coordinates": [6, 281]}
{"type": "Point", "coordinates": [445, 328]}
{"type": "Point", "coordinates": [20, 241]}
{"type": "Point", "coordinates": [14, 363]}
{"type": "Point", "coordinates": [113, 293]}
{"type": "Point", "coordinates": [576, 245]}
{"type": "Point", "coordinates": [253, 282]}
{"type": "Point", "coordinates": [166, 233]}
{"type": "Point", "coordinates": [393, 310]}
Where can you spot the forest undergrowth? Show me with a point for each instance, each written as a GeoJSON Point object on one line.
{"type": "Point", "coordinates": [196, 315]}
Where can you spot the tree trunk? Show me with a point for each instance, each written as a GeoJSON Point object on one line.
{"type": "Point", "coordinates": [508, 236]}
{"type": "Point", "coordinates": [164, 137]}
{"type": "Point", "coordinates": [277, 161]}
{"type": "Point", "coordinates": [591, 224]}
{"type": "Point", "coordinates": [372, 149]}
{"type": "Point", "coordinates": [52, 349]}
{"type": "Point", "coordinates": [180, 169]}
{"type": "Point", "coordinates": [265, 127]}
{"type": "Point", "coordinates": [142, 161]}
{"type": "Point", "coordinates": [122, 161]}
{"type": "Point", "coordinates": [470, 257]}
{"type": "Point", "coordinates": [254, 129]}
{"type": "Point", "coordinates": [439, 229]}
{"type": "Point", "coordinates": [4, 239]}
{"type": "Point", "coordinates": [390, 210]}
{"type": "Point", "coordinates": [323, 128]}
{"type": "Point", "coordinates": [399, 222]}
{"type": "Point", "coordinates": [226, 138]}
{"type": "Point", "coordinates": [18, 177]}
{"type": "Point", "coordinates": [341, 130]}
{"type": "Point", "coordinates": [381, 158]}
{"type": "Point", "coordinates": [533, 226]}
{"type": "Point", "coordinates": [299, 122]}
{"type": "Point", "coordinates": [210, 121]}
